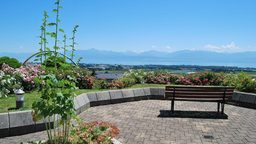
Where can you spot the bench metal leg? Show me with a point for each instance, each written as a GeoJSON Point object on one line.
{"type": "Point", "coordinates": [222, 108]}
{"type": "Point", "coordinates": [218, 107]}
{"type": "Point", "coordinates": [172, 110]}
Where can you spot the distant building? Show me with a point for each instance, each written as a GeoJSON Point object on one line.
{"type": "Point", "coordinates": [109, 77]}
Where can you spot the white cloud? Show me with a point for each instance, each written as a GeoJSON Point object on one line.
{"type": "Point", "coordinates": [168, 47]}
{"type": "Point", "coordinates": [231, 46]}
{"type": "Point", "coordinates": [153, 46]}
{"type": "Point", "coordinates": [211, 47]}
{"type": "Point", "coordinates": [21, 47]}
{"type": "Point", "coordinates": [224, 48]}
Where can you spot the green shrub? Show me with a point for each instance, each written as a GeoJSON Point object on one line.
{"type": "Point", "coordinates": [60, 62]}
{"type": "Point", "coordinates": [245, 83]}
{"type": "Point", "coordinates": [12, 62]}
{"type": "Point", "coordinates": [128, 82]}
{"type": "Point", "coordinates": [103, 84]}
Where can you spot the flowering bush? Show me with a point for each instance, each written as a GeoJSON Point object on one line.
{"type": "Point", "coordinates": [27, 75]}
{"type": "Point", "coordinates": [128, 82]}
{"type": "Point", "coordinates": [8, 84]}
{"type": "Point", "coordinates": [81, 77]}
{"type": "Point", "coordinates": [163, 79]}
{"type": "Point", "coordinates": [85, 82]}
{"type": "Point", "coordinates": [138, 75]}
{"type": "Point", "coordinates": [245, 83]}
{"type": "Point", "coordinates": [118, 85]}
{"type": "Point", "coordinates": [103, 84]}
{"type": "Point", "coordinates": [93, 133]}
{"type": "Point", "coordinates": [207, 78]}
{"type": "Point", "coordinates": [183, 81]}
{"type": "Point", "coordinates": [173, 78]}
{"type": "Point", "coordinates": [23, 77]}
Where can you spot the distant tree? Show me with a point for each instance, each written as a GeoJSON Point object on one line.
{"type": "Point", "coordinates": [93, 72]}
{"type": "Point", "coordinates": [12, 62]}
{"type": "Point", "coordinates": [119, 67]}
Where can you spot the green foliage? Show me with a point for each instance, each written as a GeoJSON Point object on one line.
{"type": "Point", "coordinates": [60, 63]}
{"type": "Point", "coordinates": [12, 62]}
{"type": "Point", "coordinates": [245, 83]}
{"type": "Point", "coordinates": [128, 82]}
{"type": "Point", "coordinates": [56, 100]}
{"type": "Point", "coordinates": [73, 43]}
{"type": "Point", "coordinates": [78, 61]}
{"type": "Point", "coordinates": [103, 84]}
{"type": "Point", "coordinates": [93, 72]}
{"type": "Point", "coordinates": [56, 95]}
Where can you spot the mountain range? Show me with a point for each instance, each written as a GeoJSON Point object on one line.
{"type": "Point", "coordinates": [186, 57]}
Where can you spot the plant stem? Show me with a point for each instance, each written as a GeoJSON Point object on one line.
{"type": "Point", "coordinates": [49, 123]}
{"type": "Point", "coordinates": [44, 28]}
{"type": "Point", "coordinates": [46, 128]}
{"type": "Point", "coordinates": [56, 36]}
{"type": "Point", "coordinates": [54, 127]}
{"type": "Point", "coordinates": [41, 49]}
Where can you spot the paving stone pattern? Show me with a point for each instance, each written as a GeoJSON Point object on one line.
{"type": "Point", "coordinates": [139, 124]}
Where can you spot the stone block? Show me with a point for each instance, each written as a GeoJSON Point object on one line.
{"type": "Point", "coordinates": [21, 122]}
{"type": "Point", "coordinates": [139, 94]}
{"type": "Point", "coordinates": [245, 97]}
{"type": "Point", "coordinates": [147, 91]}
{"type": "Point", "coordinates": [92, 99]}
{"type": "Point", "coordinates": [128, 95]}
{"type": "Point", "coordinates": [87, 101]}
{"type": "Point", "coordinates": [161, 93]}
{"type": "Point", "coordinates": [4, 125]}
{"type": "Point", "coordinates": [103, 98]}
{"type": "Point", "coordinates": [77, 106]}
{"type": "Point", "coordinates": [236, 96]}
{"type": "Point", "coordinates": [81, 101]}
{"type": "Point", "coordinates": [154, 91]}
{"type": "Point", "coordinates": [116, 96]}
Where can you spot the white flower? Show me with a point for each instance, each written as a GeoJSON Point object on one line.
{"type": "Point", "coordinates": [8, 81]}
{"type": "Point", "coordinates": [2, 73]}
{"type": "Point", "coordinates": [3, 82]}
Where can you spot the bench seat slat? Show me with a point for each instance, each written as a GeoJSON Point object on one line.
{"type": "Point", "coordinates": [201, 97]}
{"type": "Point", "coordinates": [201, 90]}
{"type": "Point", "coordinates": [202, 87]}
{"type": "Point", "coordinates": [198, 93]}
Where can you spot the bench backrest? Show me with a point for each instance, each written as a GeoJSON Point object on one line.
{"type": "Point", "coordinates": [199, 92]}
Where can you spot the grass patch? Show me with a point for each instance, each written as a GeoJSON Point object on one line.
{"type": "Point", "coordinates": [30, 97]}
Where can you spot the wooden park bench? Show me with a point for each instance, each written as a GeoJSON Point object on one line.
{"type": "Point", "coordinates": [219, 94]}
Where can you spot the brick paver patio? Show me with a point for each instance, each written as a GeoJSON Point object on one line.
{"type": "Point", "coordinates": [139, 124]}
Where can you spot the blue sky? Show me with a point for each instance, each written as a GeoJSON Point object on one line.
{"type": "Point", "coordinates": [134, 25]}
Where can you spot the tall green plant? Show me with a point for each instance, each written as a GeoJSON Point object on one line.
{"type": "Point", "coordinates": [64, 47]}
{"type": "Point", "coordinates": [73, 43]}
{"type": "Point", "coordinates": [43, 39]}
{"type": "Point", "coordinates": [44, 33]}
{"type": "Point", "coordinates": [56, 96]}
